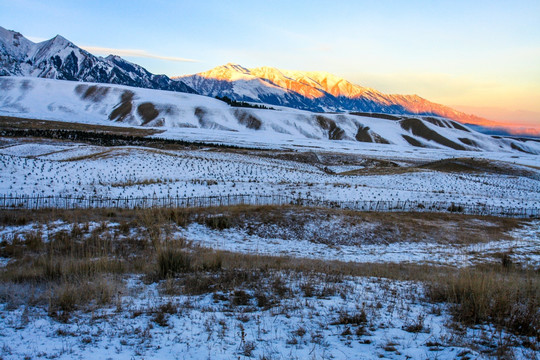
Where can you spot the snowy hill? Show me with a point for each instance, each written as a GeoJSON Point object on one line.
{"type": "Point", "coordinates": [58, 58]}
{"type": "Point", "coordinates": [313, 91]}
{"type": "Point", "coordinates": [105, 104]}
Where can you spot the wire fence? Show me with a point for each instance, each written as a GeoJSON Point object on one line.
{"type": "Point", "coordinates": [95, 202]}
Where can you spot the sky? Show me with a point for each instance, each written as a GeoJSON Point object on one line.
{"type": "Point", "coordinates": [481, 57]}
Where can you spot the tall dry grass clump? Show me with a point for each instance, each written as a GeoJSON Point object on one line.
{"type": "Point", "coordinates": [172, 261]}
{"type": "Point", "coordinates": [506, 298]}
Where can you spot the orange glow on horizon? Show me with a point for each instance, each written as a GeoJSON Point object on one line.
{"type": "Point", "coordinates": [516, 130]}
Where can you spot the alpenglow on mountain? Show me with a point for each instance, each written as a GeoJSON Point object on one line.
{"type": "Point", "coordinates": [313, 91]}
{"type": "Point", "coordinates": [58, 58]}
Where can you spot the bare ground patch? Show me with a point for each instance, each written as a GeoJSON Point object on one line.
{"type": "Point", "coordinates": [9, 122]}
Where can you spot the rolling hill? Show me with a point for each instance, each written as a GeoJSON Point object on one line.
{"type": "Point", "coordinates": [94, 103]}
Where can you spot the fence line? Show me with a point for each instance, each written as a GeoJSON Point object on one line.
{"type": "Point", "coordinates": [91, 202]}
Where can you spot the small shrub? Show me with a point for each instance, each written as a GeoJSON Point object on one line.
{"type": "Point", "coordinates": [301, 331]}
{"type": "Point", "coordinates": [196, 284]}
{"type": "Point", "coordinates": [161, 319]}
{"type": "Point", "coordinates": [455, 208]}
{"type": "Point", "coordinates": [240, 298]}
{"type": "Point", "coordinates": [308, 289]}
{"type": "Point", "coordinates": [52, 269]}
{"type": "Point", "coordinates": [124, 227]}
{"type": "Point", "coordinates": [168, 308]}
{"type": "Point", "coordinates": [64, 298]}
{"type": "Point", "coordinates": [415, 326]}
{"type": "Point", "coordinates": [218, 222]}
{"type": "Point", "coordinates": [76, 231]}
{"type": "Point", "coordinates": [506, 261]}
{"type": "Point", "coordinates": [173, 261]}
{"type": "Point", "coordinates": [247, 348]}
{"type": "Point", "coordinates": [213, 263]}
{"type": "Point", "coordinates": [345, 318]}
{"type": "Point", "coordinates": [263, 301]}
{"type": "Point", "coordinates": [279, 287]}
{"type": "Point", "coordinates": [34, 241]}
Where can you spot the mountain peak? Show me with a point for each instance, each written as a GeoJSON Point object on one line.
{"type": "Point", "coordinates": [14, 44]}
{"type": "Point", "coordinates": [5, 33]}
{"type": "Point", "coordinates": [61, 41]}
{"type": "Point", "coordinates": [232, 67]}
{"type": "Point", "coordinates": [227, 72]}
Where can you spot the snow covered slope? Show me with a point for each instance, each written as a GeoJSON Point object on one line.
{"type": "Point", "coordinates": [58, 58]}
{"type": "Point", "coordinates": [314, 91]}
{"type": "Point", "coordinates": [106, 104]}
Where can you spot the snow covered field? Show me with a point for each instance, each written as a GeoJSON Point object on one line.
{"type": "Point", "coordinates": [258, 313]}
{"type": "Point", "coordinates": [524, 248]}
{"type": "Point", "coordinates": [59, 168]}
{"type": "Point", "coordinates": [359, 318]}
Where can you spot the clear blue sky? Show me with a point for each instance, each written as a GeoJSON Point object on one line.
{"type": "Point", "coordinates": [468, 53]}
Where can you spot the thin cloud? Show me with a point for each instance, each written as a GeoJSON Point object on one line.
{"type": "Point", "coordinates": [134, 53]}
{"type": "Point", "coordinates": [36, 39]}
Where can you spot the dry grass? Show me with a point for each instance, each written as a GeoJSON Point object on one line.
{"type": "Point", "coordinates": [148, 112]}
{"type": "Point", "coordinates": [128, 182]}
{"type": "Point", "coordinates": [383, 170]}
{"type": "Point", "coordinates": [478, 166]}
{"type": "Point", "coordinates": [506, 298]}
{"type": "Point", "coordinates": [123, 110]}
{"type": "Point", "coordinates": [388, 227]}
{"type": "Point", "coordinates": [451, 165]}
{"type": "Point", "coordinates": [81, 269]}
{"type": "Point", "coordinates": [9, 122]}
{"type": "Point", "coordinates": [418, 128]}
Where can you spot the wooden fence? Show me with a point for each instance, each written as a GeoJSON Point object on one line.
{"type": "Point", "coordinates": [91, 202]}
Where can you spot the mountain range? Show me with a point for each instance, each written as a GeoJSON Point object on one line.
{"type": "Point", "coordinates": [58, 58]}
{"type": "Point", "coordinates": [313, 91]}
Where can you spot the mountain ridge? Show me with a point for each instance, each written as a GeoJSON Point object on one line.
{"type": "Point", "coordinates": [59, 58]}
{"type": "Point", "coordinates": [313, 91]}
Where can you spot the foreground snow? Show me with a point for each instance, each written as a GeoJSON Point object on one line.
{"type": "Point", "coordinates": [398, 324]}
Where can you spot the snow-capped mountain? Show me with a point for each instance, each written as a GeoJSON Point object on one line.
{"type": "Point", "coordinates": [181, 113]}
{"type": "Point", "coordinates": [58, 58]}
{"type": "Point", "coordinates": [313, 91]}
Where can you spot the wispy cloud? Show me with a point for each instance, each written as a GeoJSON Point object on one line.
{"type": "Point", "coordinates": [36, 39]}
{"type": "Point", "coordinates": [134, 53]}
{"type": "Point", "coordinates": [121, 52]}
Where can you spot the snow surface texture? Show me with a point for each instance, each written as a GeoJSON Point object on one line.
{"type": "Point", "coordinates": [399, 324]}
{"type": "Point", "coordinates": [187, 115]}
{"type": "Point", "coordinates": [524, 248]}
{"type": "Point", "coordinates": [51, 168]}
